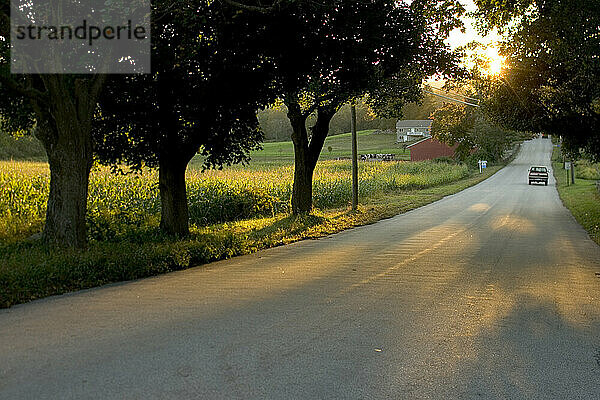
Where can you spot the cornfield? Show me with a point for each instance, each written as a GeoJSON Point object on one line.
{"type": "Point", "coordinates": [122, 204]}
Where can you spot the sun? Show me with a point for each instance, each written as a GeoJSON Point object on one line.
{"type": "Point", "coordinates": [495, 62]}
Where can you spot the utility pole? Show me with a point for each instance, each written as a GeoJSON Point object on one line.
{"type": "Point", "coordinates": [354, 158]}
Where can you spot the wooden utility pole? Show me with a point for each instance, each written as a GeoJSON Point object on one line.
{"type": "Point", "coordinates": [354, 158]}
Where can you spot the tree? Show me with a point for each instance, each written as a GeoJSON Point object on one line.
{"type": "Point", "coordinates": [208, 82]}
{"type": "Point", "coordinates": [552, 83]}
{"type": "Point", "coordinates": [470, 131]}
{"type": "Point", "coordinates": [454, 125]}
{"type": "Point", "coordinates": [62, 107]}
{"type": "Point", "coordinates": [329, 53]}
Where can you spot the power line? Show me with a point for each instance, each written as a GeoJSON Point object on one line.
{"type": "Point", "coordinates": [451, 98]}
{"type": "Point", "coordinates": [461, 95]}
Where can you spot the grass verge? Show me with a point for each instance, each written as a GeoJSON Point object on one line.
{"type": "Point", "coordinates": [30, 270]}
{"type": "Point", "coordinates": [582, 198]}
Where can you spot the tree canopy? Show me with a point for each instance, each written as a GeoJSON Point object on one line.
{"type": "Point", "coordinates": [208, 82]}
{"type": "Point", "coordinates": [329, 53]}
{"type": "Point", "coordinates": [551, 84]}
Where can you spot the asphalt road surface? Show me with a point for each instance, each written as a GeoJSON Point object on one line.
{"type": "Point", "coordinates": [490, 293]}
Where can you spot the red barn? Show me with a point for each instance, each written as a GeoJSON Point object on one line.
{"type": "Point", "coordinates": [430, 148]}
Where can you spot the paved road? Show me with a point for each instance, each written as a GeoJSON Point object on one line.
{"type": "Point", "coordinates": [488, 294]}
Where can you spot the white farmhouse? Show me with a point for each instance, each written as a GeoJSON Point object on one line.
{"type": "Point", "coordinates": [412, 129]}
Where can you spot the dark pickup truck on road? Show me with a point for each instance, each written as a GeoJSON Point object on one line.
{"type": "Point", "coordinates": [538, 174]}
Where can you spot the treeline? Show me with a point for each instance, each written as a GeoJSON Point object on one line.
{"type": "Point", "coordinates": [215, 64]}
{"type": "Point", "coordinates": [21, 148]}
{"type": "Point", "coordinates": [276, 126]}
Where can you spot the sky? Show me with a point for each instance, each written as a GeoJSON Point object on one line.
{"type": "Point", "coordinates": [489, 53]}
{"type": "Point", "coordinates": [458, 38]}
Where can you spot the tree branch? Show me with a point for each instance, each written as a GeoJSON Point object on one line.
{"type": "Point", "coordinates": [258, 9]}
{"type": "Point", "coordinates": [318, 103]}
{"type": "Point", "coordinates": [28, 92]}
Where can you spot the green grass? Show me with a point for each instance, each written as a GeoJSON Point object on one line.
{"type": "Point", "coordinates": [582, 198]}
{"type": "Point", "coordinates": [281, 153]}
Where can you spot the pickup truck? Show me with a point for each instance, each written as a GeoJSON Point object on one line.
{"type": "Point", "coordinates": [538, 174]}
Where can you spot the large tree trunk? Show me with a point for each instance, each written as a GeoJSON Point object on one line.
{"type": "Point", "coordinates": [303, 173]}
{"type": "Point", "coordinates": [64, 128]}
{"type": "Point", "coordinates": [67, 202]}
{"type": "Point", "coordinates": [303, 183]}
{"type": "Point", "coordinates": [306, 153]}
{"type": "Point", "coordinates": [173, 195]}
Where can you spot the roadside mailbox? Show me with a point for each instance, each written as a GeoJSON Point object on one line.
{"type": "Point", "coordinates": [570, 167]}
{"type": "Point", "coordinates": [482, 165]}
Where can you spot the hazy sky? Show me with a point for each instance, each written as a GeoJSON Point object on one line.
{"type": "Point", "coordinates": [458, 38]}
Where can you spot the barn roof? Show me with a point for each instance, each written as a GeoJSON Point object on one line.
{"type": "Point", "coordinates": [420, 141]}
